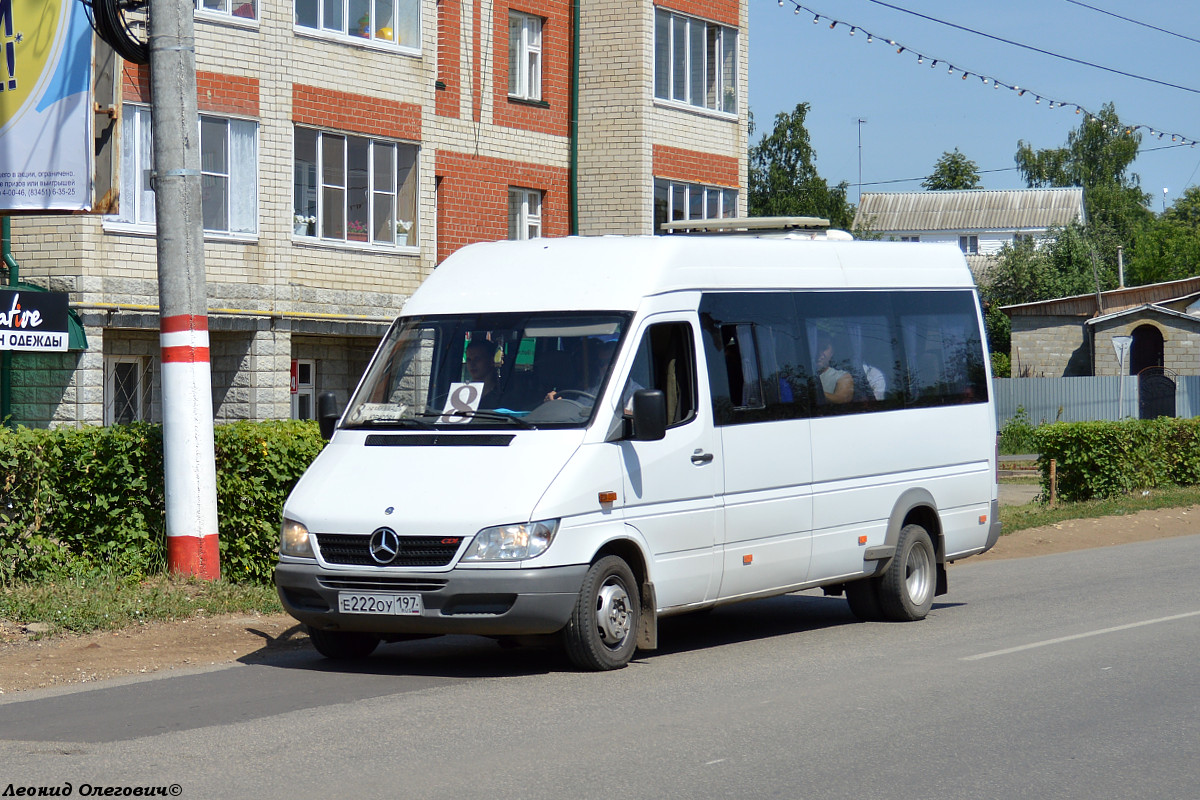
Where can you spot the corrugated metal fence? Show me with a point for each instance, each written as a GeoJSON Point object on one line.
{"type": "Point", "coordinates": [1080, 399]}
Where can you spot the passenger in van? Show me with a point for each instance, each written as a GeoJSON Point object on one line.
{"type": "Point", "coordinates": [837, 385]}
{"type": "Point", "coordinates": [481, 367]}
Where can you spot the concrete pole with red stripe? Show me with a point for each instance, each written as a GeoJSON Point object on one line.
{"type": "Point", "coordinates": [189, 464]}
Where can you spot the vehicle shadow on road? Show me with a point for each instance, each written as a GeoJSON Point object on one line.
{"type": "Point", "coordinates": [464, 657]}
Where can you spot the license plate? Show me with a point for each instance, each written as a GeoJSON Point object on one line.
{"type": "Point", "coordinates": [370, 603]}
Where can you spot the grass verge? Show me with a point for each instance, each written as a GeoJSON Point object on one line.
{"type": "Point", "coordinates": [105, 601]}
{"type": "Point", "coordinates": [1035, 515]}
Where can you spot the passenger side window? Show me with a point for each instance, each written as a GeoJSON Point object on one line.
{"type": "Point", "coordinates": [666, 360]}
{"type": "Point", "coordinates": [756, 369]}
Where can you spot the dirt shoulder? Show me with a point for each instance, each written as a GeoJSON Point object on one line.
{"type": "Point", "coordinates": [202, 641]}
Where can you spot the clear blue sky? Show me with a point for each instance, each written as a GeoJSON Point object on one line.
{"type": "Point", "coordinates": [916, 112]}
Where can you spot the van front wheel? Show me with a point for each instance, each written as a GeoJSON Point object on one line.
{"type": "Point", "coordinates": [907, 587]}
{"type": "Point", "coordinates": [602, 631]}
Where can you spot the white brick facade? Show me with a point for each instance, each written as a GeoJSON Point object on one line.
{"type": "Point", "coordinates": [274, 297]}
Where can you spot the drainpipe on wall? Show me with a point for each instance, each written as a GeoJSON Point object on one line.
{"type": "Point", "coordinates": [14, 275]}
{"type": "Point", "coordinates": [573, 169]}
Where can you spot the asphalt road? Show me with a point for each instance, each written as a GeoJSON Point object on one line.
{"type": "Point", "coordinates": [1066, 676]}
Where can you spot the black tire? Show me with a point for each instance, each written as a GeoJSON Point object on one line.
{"type": "Point", "coordinates": [343, 645]}
{"type": "Point", "coordinates": [907, 587]}
{"type": "Point", "coordinates": [602, 632]}
{"type": "Point", "coordinates": [863, 597]}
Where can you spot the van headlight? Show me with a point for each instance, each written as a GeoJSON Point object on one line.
{"type": "Point", "coordinates": [293, 540]}
{"type": "Point", "coordinates": [512, 542]}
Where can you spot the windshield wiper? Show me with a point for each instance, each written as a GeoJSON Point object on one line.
{"type": "Point", "coordinates": [483, 413]}
{"type": "Point", "coordinates": [398, 422]}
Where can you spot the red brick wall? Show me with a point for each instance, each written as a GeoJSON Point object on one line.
{"type": "Point", "coordinates": [556, 68]}
{"type": "Point", "coordinates": [446, 101]}
{"type": "Point", "coordinates": [695, 167]}
{"type": "Point", "coordinates": [215, 93]}
{"type": "Point", "coordinates": [227, 94]}
{"type": "Point", "coordinates": [723, 11]}
{"type": "Point", "coordinates": [473, 198]}
{"type": "Point", "coordinates": [356, 113]}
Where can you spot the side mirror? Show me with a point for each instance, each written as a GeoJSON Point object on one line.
{"type": "Point", "coordinates": [327, 414]}
{"type": "Point", "coordinates": [649, 415]}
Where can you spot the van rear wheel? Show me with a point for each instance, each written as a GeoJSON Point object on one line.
{"type": "Point", "coordinates": [343, 645]}
{"type": "Point", "coordinates": [907, 587]}
{"type": "Point", "coordinates": [602, 631]}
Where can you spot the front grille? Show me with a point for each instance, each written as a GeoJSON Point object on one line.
{"type": "Point", "coordinates": [415, 551]}
{"type": "Point", "coordinates": [383, 583]}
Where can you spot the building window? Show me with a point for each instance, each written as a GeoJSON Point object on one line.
{"type": "Point", "coordinates": [524, 56]}
{"type": "Point", "coordinates": [675, 200]}
{"type": "Point", "coordinates": [524, 213]}
{"type": "Point", "coordinates": [228, 165]}
{"type": "Point", "coordinates": [303, 389]}
{"type": "Point", "coordinates": [969, 244]}
{"type": "Point", "coordinates": [389, 22]}
{"type": "Point", "coordinates": [241, 9]}
{"type": "Point", "coordinates": [355, 189]}
{"type": "Point", "coordinates": [910, 238]}
{"type": "Point", "coordinates": [126, 390]}
{"type": "Point", "coordinates": [695, 62]}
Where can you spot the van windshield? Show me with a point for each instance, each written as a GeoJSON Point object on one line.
{"type": "Point", "coordinates": [531, 370]}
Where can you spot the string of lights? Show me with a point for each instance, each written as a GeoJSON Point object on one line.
{"type": "Point", "coordinates": [952, 69]}
{"type": "Point", "coordinates": [1031, 48]}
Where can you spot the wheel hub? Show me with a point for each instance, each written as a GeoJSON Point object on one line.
{"type": "Point", "coordinates": [613, 613]}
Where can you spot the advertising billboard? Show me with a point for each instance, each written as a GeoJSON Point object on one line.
{"type": "Point", "coordinates": [45, 106]}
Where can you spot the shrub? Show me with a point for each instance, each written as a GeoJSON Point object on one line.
{"type": "Point", "coordinates": [1106, 459]}
{"type": "Point", "coordinates": [1017, 434]}
{"type": "Point", "coordinates": [74, 499]}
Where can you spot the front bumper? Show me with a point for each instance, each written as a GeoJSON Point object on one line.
{"type": "Point", "coordinates": [491, 602]}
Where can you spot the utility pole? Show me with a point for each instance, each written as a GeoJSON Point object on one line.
{"type": "Point", "coordinates": [189, 463]}
{"type": "Point", "coordinates": [861, 120]}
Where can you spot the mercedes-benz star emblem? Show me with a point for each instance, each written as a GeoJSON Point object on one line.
{"type": "Point", "coordinates": [384, 545]}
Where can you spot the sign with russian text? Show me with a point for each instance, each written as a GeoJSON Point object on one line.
{"type": "Point", "coordinates": [45, 106]}
{"type": "Point", "coordinates": [33, 320]}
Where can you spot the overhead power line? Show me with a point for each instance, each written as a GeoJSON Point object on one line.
{"type": "Point", "coordinates": [986, 79]}
{"type": "Point", "coordinates": [1135, 22]}
{"type": "Point", "coordinates": [1036, 49]}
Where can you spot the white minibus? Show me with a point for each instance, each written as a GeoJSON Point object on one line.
{"type": "Point", "coordinates": [576, 437]}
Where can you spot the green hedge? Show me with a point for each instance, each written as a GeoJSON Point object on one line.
{"type": "Point", "coordinates": [76, 499]}
{"type": "Point", "coordinates": [1107, 459]}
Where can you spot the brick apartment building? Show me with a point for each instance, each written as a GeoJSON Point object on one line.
{"type": "Point", "coordinates": [348, 146]}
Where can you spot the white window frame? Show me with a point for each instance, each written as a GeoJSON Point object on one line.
{"type": "Point", "coordinates": [305, 389]}
{"type": "Point", "coordinates": [141, 399]}
{"type": "Point", "coordinates": [229, 11]}
{"type": "Point", "coordinates": [524, 213]}
{"type": "Point", "coordinates": [137, 192]}
{"type": "Point", "coordinates": [364, 23]}
{"type": "Point", "coordinates": [525, 56]}
{"type": "Point", "coordinates": [969, 244]}
{"type": "Point", "coordinates": [316, 225]}
{"type": "Point", "coordinates": [695, 62]}
{"type": "Point", "coordinates": [723, 200]}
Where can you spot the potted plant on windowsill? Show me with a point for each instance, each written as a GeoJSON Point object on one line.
{"type": "Point", "coordinates": [403, 226]}
{"type": "Point", "coordinates": [302, 225]}
{"type": "Point", "coordinates": [356, 231]}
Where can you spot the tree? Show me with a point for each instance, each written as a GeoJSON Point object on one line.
{"type": "Point", "coordinates": [953, 171]}
{"type": "Point", "coordinates": [1070, 263]}
{"type": "Point", "coordinates": [783, 178]}
{"type": "Point", "coordinates": [1097, 157]}
{"type": "Point", "coordinates": [1168, 248]}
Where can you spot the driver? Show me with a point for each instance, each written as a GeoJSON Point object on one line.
{"type": "Point", "coordinates": [481, 367]}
